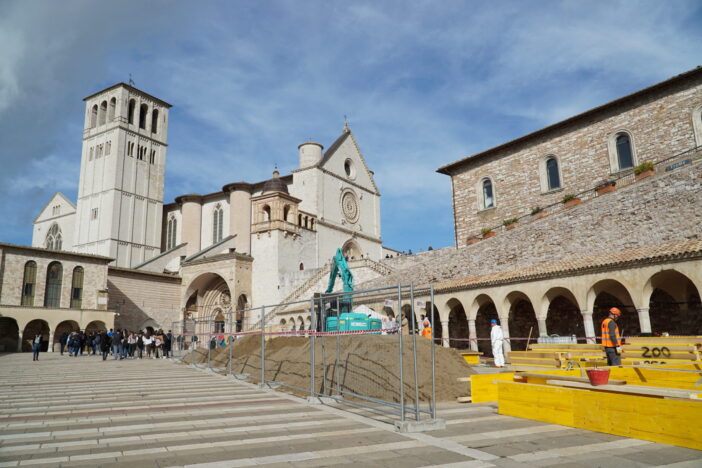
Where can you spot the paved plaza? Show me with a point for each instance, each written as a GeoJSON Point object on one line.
{"type": "Point", "coordinates": [63, 411]}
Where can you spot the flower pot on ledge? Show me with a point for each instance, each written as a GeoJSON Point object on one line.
{"type": "Point", "coordinates": [605, 189]}
{"type": "Point", "coordinates": [644, 174]}
{"type": "Point", "coordinates": [540, 214]}
{"type": "Point", "coordinates": [571, 203]}
{"type": "Point", "coordinates": [511, 226]}
{"type": "Point", "coordinates": [473, 240]}
{"type": "Point", "coordinates": [488, 235]}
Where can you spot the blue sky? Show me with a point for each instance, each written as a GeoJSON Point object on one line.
{"type": "Point", "coordinates": [423, 83]}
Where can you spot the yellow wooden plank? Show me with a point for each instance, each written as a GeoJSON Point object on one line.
{"type": "Point", "coordinates": [482, 388]}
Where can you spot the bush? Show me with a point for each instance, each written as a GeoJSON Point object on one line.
{"type": "Point", "coordinates": [484, 231]}
{"type": "Point", "coordinates": [605, 183]}
{"type": "Point", "coordinates": [567, 198]}
{"type": "Point", "coordinates": [536, 210]}
{"type": "Point", "coordinates": [643, 167]}
{"type": "Point", "coordinates": [507, 222]}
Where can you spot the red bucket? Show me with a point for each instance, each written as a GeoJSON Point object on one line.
{"type": "Point", "coordinates": [598, 376]}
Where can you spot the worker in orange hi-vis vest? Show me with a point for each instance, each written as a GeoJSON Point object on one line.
{"type": "Point", "coordinates": [426, 331]}
{"type": "Point", "coordinates": [611, 341]}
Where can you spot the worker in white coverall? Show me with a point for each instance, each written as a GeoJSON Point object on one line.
{"type": "Point", "coordinates": [497, 337]}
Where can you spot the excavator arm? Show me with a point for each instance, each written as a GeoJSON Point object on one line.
{"type": "Point", "coordinates": [340, 268]}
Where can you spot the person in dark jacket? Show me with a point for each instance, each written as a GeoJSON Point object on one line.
{"type": "Point", "coordinates": [117, 344]}
{"type": "Point", "coordinates": [36, 346]}
{"type": "Point", "coordinates": [105, 343]}
{"type": "Point", "coordinates": [62, 341]}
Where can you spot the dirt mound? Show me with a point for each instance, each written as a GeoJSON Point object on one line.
{"type": "Point", "coordinates": [367, 365]}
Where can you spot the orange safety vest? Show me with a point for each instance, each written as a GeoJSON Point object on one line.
{"type": "Point", "coordinates": [426, 332]}
{"type": "Point", "coordinates": [606, 338]}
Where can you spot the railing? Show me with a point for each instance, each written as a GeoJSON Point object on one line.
{"type": "Point", "coordinates": [626, 178]}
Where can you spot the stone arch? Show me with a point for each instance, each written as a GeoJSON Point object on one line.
{"type": "Point", "coordinates": [674, 303]}
{"type": "Point", "coordinates": [407, 324]}
{"type": "Point", "coordinates": [458, 325]}
{"type": "Point", "coordinates": [9, 334]}
{"type": "Point", "coordinates": [292, 325]}
{"type": "Point", "coordinates": [438, 330]}
{"type": "Point", "coordinates": [486, 310]}
{"type": "Point", "coordinates": [205, 293]}
{"type": "Point", "coordinates": [282, 325]}
{"type": "Point", "coordinates": [242, 303]}
{"type": "Point", "coordinates": [300, 322]}
{"type": "Point", "coordinates": [608, 293]}
{"type": "Point", "coordinates": [521, 321]}
{"type": "Point", "coordinates": [351, 249]}
{"type": "Point", "coordinates": [95, 326]}
{"type": "Point", "coordinates": [563, 316]}
{"type": "Point", "coordinates": [67, 326]}
{"type": "Point", "coordinates": [33, 327]}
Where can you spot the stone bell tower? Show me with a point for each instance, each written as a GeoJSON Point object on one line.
{"type": "Point", "coordinates": [123, 161]}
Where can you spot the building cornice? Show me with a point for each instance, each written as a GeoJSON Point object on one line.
{"type": "Point", "coordinates": [54, 253]}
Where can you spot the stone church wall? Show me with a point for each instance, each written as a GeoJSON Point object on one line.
{"type": "Point", "coordinates": [663, 208]}
{"type": "Point", "coordinates": [143, 299]}
{"type": "Point", "coordinates": [660, 124]}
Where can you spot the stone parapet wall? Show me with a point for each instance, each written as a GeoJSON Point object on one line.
{"type": "Point", "coordinates": [663, 208]}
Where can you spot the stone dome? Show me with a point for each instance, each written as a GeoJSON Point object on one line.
{"type": "Point", "coordinates": [275, 184]}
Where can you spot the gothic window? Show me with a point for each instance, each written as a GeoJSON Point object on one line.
{"type": "Point", "coordinates": [130, 114]}
{"type": "Point", "coordinates": [488, 194]}
{"type": "Point", "coordinates": [77, 288]}
{"type": "Point", "coordinates": [299, 220]}
{"type": "Point", "coordinates": [29, 283]}
{"type": "Point", "coordinates": [625, 156]}
{"type": "Point", "coordinates": [552, 175]}
{"type": "Point", "coordinates": [217, 221]}
{"type": "Point", "coordinates": [54, 276]}
{"type": "Point", "coordinates": [152, 157]}
{"type": "Point", "coordinates": [154, 121]}
{"type": "Point", "coordinates": [111, 112]}
{"type": "Point", "coordinates": [56, 210]}
{"type": "Point", "coordinates": [103, 113]}
{"type": "Point", "coordinates": [53, 237]}
{"type": "Point", "coordinates": [312, 224]}
{"type": "Point", "coordinates": [94, 116]}
{"type": "Point", "coordinates": [143, 110]}
{"type": "Point", "coordinates": [171, 233]}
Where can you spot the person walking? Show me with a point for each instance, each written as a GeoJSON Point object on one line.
{"type": "Point", "coordinates": [105, 343]}
{"type": "Point", "coordinates": [147, 344]}
{"type": "Point", "coordinates": [497, 338]}
{"type": "Point", "coordinates": [140, 344]}
{"type": "Point", "coordinates": [62, 341]}
{"type": "Point", "coordinates": [36, 346]}
{"type": "Point", "coordinates": [611, 341]}
{"type": "Point", "coordinates": [117, 344]}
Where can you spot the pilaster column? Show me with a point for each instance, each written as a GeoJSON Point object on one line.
{"type": "Point", "coordinates": [504, 323]}
{"type": "Point", "coordinates": [589, 326]}
{"type": "Point", "coordinates": [542, 327]}
{"type": "Point", "coordinates": [51, 343]}
{"type": "Point", "coordinates": [445, 333]}
{"type": "Point", "coordinates": [472, 333]}
{"type": "Point", "coordinates": [644, 319]}
{"type": "Point", "coordinates": [19, 342]}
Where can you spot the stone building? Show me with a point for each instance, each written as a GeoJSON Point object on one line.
{"type": "Point", "coordinates": [244, 245]}
{"type": "Point", "coordinates": [573, 156]}
{"type": "Point", "coordinates": [48, 292]}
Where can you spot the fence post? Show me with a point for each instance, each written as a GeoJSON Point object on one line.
{"type": "Point", "coordinates": [433, 358]}
{"type": "Point", "coordinates": [230, 342]}
{"type": "Point", "coordinates": [414, 355]}
{"type": "Point", "coordinates": [336, 364]}
{"type": "Point", "coordinates": [402, 377]}
{"type": "Point", "coordinates": [263, 345]}
{"type": "Point", "coordinates": [313, 332]}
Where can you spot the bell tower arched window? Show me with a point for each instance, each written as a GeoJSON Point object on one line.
{"type": "Point", "coordinates": [94, 116]}
{"type": "Point", "coordinates": [130, 112]}
{"type": "Point", "coordinates": [154, 121]}
{"type": "Point", "coordinates": [143, 110]}
{"type": "Point", "coordinates": [103, 113]}
{"type": "Point", "coordinates": [111, 111]}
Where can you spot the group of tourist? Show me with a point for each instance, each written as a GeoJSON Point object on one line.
{"type": "Point", "coordinates": [122, 344]}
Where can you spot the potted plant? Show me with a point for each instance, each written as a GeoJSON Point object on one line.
{"type": "Point", "coordinates": [645, 169]}
{"type": "Point", "coordinates": [538, 212]}
{"type": "Point", "coordinates": [487, 233]}
{"type": "Point", "coordinates": [605, 186]}
{"type": "Point", "coordinates": [570, 200]}
{"type": "Point", "coordinates": [472, 240]}
{"type": "Point", "coordinates": [510, 223]}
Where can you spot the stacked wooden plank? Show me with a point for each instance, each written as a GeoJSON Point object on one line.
{"type": "Point", "coordinates": [556, 355]}
{"type": "Point", "coordinates": [662, 350]}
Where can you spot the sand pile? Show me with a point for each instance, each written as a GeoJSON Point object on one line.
{"type": "Point", "coordinates": [367, 365]}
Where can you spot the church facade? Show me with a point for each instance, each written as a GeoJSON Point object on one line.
{"type": "Point", "coordinates": [244, 245]}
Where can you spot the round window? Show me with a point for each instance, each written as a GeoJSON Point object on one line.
{"type": "Point", "coordinates": [349, 206]}
{"type": "Point", "coordinates": [349, 169]}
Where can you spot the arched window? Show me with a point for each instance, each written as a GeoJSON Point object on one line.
{"type": "Point", "coordinates": [111, 111]}
{"type": "Point", "coordinates": [488, 196]}
{"type": "Point", "coordinates": [53, 237]}
{"type": "Point", "coordinates": [625, 155]}
{"type": "Point", "coordinates": [154, 121]}
{"type": "Point", "coordinates": [94, 116]}
{"type": "Point", "coordinates": [286, 212]}
{"type": "Point", "coordinates": [103, 113]}
{"type": "Point", "coordinates": [143, 110]}
{"type": "Point", "coordinates": [130, 112]}
{"type": "Point", "coordinates": [171, 233]}
{"type": "Point", "coordinates": [266, 213]}
{"type": "Point", "coordinates": [552, 175]}
{"type": "Point", "coordinates": [312, 224]}
{"type": "Point", "coordinates": [302, 266]}
{"type": "Point", "coordinates": [29, 283]}
{"type": "Point", "coordinates": [299, 220]}
{"type": "Point", "coordinates": [217, 221]}
{"type": "Point", "coordinates": [77, 288]}
{"type": "Point", "coordinates": [54, 276]}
